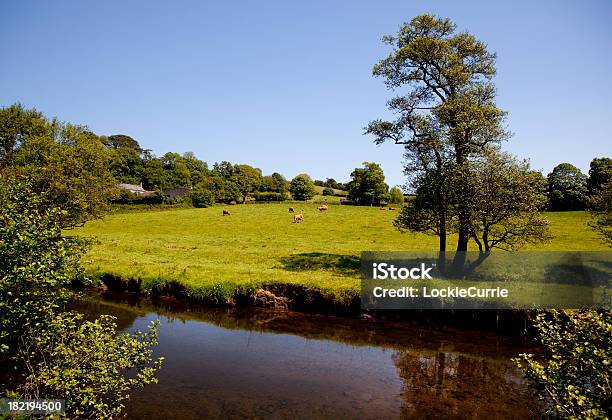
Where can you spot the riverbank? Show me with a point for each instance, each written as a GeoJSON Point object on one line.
{"type": "Point", "coordinates": [288, 298]}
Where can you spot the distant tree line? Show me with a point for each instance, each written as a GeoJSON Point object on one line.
{"type": "Point", "coordinates": [80, 170]}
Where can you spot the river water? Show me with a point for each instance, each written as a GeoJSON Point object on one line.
{"type": "Point", "coordinates": [249, 363]}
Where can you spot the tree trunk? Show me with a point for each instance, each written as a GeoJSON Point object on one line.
{"type": "Point", "coordinates": [463, 213]}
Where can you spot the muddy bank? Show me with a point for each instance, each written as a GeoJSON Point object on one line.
{"type": "Point", "coordinates": [278, 296]}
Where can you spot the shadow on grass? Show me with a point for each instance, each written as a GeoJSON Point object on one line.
{"type": "Point", "coordinates": [348, 265]}
{"type": "Point", "coordinates": [581, 269]}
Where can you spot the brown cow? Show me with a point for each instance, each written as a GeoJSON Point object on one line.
{"type": "Point", "coordinates": [290, 209]}
{"type": "Point", "coordinates": [298, 218]}
{"type": "Point", "coordinates": [392, 208]}
{"type": "Point", "coordinates": [322, 207]}
{"type": "Point", "coordinates": [226, 212]}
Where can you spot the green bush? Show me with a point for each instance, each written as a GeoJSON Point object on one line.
{"type": "Point", "coordinates": [269, 196]}
{"type": "Point", "coordinates": [328, 191]}
{"type": "Point", "coordinates": [56, 353]}
{"type": "Point", "coordinates": [127, 197]}
{"type": "Point", "coordinates": [574, 378]}
{"type": "Point", "coordinates": [202, 198]}
{"type": "Point", "coordinates": [86, 363]}
{"type": "Point", "coordinates": [37, 264]}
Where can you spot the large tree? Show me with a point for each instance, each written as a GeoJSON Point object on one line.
{"type": "Point", "coordinates": [448, 114]}
{"type": "Point", "coordinates": [302, 188]}
{"type": "Point", "coordinates": [367, 185]}
{"type": "Point", "coordinates": [125, 160]}
{"type": "Point", "coordinates": [567, 188]}
{"type": "Point", "coordinates": [600, 173]}
{"type": "Point", "coordinates": [16, 125]}
{"type": "Point", "coordinates": [247, 179]}
{"type": "Point", "coordinates": [66, 162]}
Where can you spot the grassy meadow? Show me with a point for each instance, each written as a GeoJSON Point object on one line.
{"type": "Point", "coordinates": [259, 243]}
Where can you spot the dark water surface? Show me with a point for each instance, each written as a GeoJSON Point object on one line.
{"type": "Point", "coordinates": [260, 364]}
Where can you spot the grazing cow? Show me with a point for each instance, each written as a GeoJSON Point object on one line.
{"type": "Point", "coordinates": [290, 209]}
{"type": "Point", "coordinates": [322, 207]}
{"type": "Point", "coordinates": [298, 218]}
{"type": "Point", "coordinates": [392, 208]}
{"type": "Point", "coordinates": [226, 212]}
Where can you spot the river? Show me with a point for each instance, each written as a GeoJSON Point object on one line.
{"type": "Point", "coordinates": [250, 363]}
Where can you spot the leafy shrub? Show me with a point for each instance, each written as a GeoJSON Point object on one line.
{"type": "Point", "coordinates": [574, 380]}
{"type": "Point", "coordinates": [86, 362]}
{"type": "Point", "coordinates": [328, 191]}
{"type": "Point", "coordinates": [269, 196]}
{"type": "Point", "coordinates": [177, 200]}
{"type": "Point", "coordinates": [36, 262]}
{"type": "Point", "coordinates": [202, 198]}
{"type": "Point", "coordinates": [127, 197]}
{"type": "Point", "coordinates": [56, 353]}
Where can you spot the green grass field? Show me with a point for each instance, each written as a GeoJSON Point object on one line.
{"type": "Point", "coordinates": [259, 243]}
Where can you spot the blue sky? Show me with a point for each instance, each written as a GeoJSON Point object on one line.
{"type": "Point", "coordinates": [287, 86]}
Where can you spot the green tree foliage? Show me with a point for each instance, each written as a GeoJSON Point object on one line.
{"type": "Point", "coordinates": [332, 183]}
{"type": "Point", "coordinates": [16, 125]}
{"type": "Point", "coordinates": [328, 191]}
{"type": "Point", "coordinates": [275, 183]}
{"type": "Point", "coordinates": [600, 205]}
{"type": "Point", "coordinates": [506, 200]}
{"type": "Point", "coordinates": [574, 378]}
{"type": "Point", "coordinates": [37, 264]}
{"type": "Point", "coordinates": [430, 211]}
{"type": "Point", "coordinates": [176, 171]}
{"type": "Point", "coordinates": [58, 354]}
{"type": "Point", "coordinates": [201, 196]}
{"type": "Point", "coordinates": [121, 141]}
{"type": "Point", "coordinates": [302, 188]}
{"type": "Point", "coordinates": [600, 174]}
{"type": "Point", "coordinates": [225, 169]}
{"type": "Point", "coordinates": [367, 185]}
{"type": "Point", "coordinates": [396, 196]}
{"type": "Point", "coordinates": [125, 160]}
{"type": "Point", "coordinates": [88, 364]}
{"type": "Point", "coordinates": [567, 188]}
{"type": "Point", "coordinates": [247, 179]}
{"type": "Point", "coordinates": [308, 177]}
{"type": "Point", "coordinates": [449, 114]}
{"type": "Point", "coordinates": [65, 161]}
{"type": "Point", "coordinates": [269, 196]}
{"type": "Point", "coordinates": [224, 190]}
{"type": "Point", "coordinates": [153, 174]}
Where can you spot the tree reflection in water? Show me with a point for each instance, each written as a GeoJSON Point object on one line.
{"type": "Point", "coordinates": [447, 385]}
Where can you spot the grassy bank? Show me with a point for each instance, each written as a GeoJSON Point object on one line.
{"type": "Point", "coordinates": [213, 255]}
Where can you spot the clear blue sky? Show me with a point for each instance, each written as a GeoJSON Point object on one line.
{"type": "Point", "coordinates": [286, 86]}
